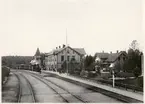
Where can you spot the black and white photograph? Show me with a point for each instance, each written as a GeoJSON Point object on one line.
{"type": "Point", "coordinates": [72, 51]}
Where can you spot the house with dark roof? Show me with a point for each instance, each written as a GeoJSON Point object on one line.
{"type": "Point", "coordinates": [107, 59]}
{"type": "Point", "coordinates": [55, 58]}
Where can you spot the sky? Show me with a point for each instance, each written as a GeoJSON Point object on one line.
{"type": "Point", "coordinates": [94, 25]}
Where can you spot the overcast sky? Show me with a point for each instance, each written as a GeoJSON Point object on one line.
{"type": "Point", "coordinates": [94, 25]}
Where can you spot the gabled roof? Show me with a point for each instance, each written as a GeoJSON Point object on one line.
{"type": "Point", "coordinates": [113, 56]}
{"type": "Point", "coordinates": [102, 55]}
{"type": "Point", "coordinates": [80, 51]}
{"type": "Point", "coordinates": [37, 52]}
{"type": "Point", "coordinates": [110, 57]}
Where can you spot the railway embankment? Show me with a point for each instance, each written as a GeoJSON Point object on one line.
{"type": "Point", "coordinates": [10, 89]}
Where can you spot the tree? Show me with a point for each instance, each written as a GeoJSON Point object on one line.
{"type": "Point", "coordinates": [134, 45]}
{"type": "Point", "coordinates": [117, 67]}
{"type": "Point", "coordinates": [136, 72]}
{"type": "Point", "coordinates": [89, 63]}
{"type": "Point", "coordinates": [133, 63]}
{"type": "Point", "coordinates": [13, 61]}
{"type": "Point", "coordinates": [4, 62]}
{"type": "Point", "coordinates": [74, 67]}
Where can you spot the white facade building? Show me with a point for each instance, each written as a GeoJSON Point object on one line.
{"type": "Point", "coordinates": [55, 59]}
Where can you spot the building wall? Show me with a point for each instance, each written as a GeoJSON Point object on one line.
{"type": "Point", "coordinates": [50, 62]}
{"type": "Point", "coordinates": [70, 54]}
{"type": "Point", "coordinates": [54, 61]}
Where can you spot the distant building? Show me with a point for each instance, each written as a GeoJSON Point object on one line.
{"type": "Point", "coordinates": [55, 58]}
{"type": "Point", "coordinates": [36, 60]}
{"type": "Point", "coordinates": [37, 56]}
{"type": "Point", "coordinates": [107, 59]}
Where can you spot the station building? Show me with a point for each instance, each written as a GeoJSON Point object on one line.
{"type": "Point", "coordinates": [55, 58]}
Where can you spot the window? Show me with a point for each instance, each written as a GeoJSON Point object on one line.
{"type": "Point", "coordinates": [68, 51]}
{"type": "Point", "coordinates": [62, 58]}
{"type": "Point", "coordinates": [123, 58]}
{"type": "Point", "coordinates": [67, 58]}
{"type": "Point", "coordinates": [73, 58]}
{"type": "Point", "coordinates": [73, 52]}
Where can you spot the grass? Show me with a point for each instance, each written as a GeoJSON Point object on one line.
{"type": "Point", "coordinates": [125, 74]}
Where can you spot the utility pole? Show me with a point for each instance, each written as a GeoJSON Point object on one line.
{"type": "Point", "coordinates": [113, 78]}
{"type": "Point", "coordinates": [66, 53]}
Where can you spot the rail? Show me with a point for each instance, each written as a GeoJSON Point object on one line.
{"type": "Point", "coordinates": [20, 88]}
{"type": "Point", "coordinates": [77, 97]}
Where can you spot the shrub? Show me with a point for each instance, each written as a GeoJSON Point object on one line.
{"type": "Point", "coordinates": [5, 72]}
{"type": "Point", "coordinates": [84, 73]}
{"type": "Point", "coordinates": [92, 74]}
{"type": "Point", "coordinates": [106, 75]}
{"type": "Point", "coordinates": [77, 72]}
{"type": "Point", "coordinates": [140, 81]}
{"type": "Point", "coordinates": [136, 72]}
{"type": "Point", "coordinates": [124, 74]}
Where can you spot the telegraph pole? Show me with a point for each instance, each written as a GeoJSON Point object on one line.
{"type": "Point", "coordinates": [113, 78]}
{"type": "Point", "coordinates": [66, 53]}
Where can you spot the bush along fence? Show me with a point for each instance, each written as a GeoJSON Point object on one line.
{"type": "Point", "coordinates": [126, 86]}
{"type": "Point", "coordinates": [5, 73]}
{"type": "Point", "coordinates": [109, 82]}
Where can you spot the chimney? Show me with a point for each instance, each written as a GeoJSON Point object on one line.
{"type": "Point", "coordinates": [102, 51]}
{"type": "Point", "coordinates": [56, 47]}
{"type": "Point", "coordinates": [63, 46]}
{"type": "Point", "coordinates": [59, 46]}
{"type": "Point", "coordinates": [110, 52]}
{"type": "Point", "coordinates": [117, 51]}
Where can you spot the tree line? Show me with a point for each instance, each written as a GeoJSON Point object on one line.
{"type": "Point", "coordinates": [14, 61]}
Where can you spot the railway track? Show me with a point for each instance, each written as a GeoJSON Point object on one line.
{"type": "Point", "coordinates": [21, 96]}
{"type": "Point", "coordinates": [76, 96]}
{"type": "Point", "coordinates": [62, 91]}
{"type": "Point", "coordinates": [46, 82]}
